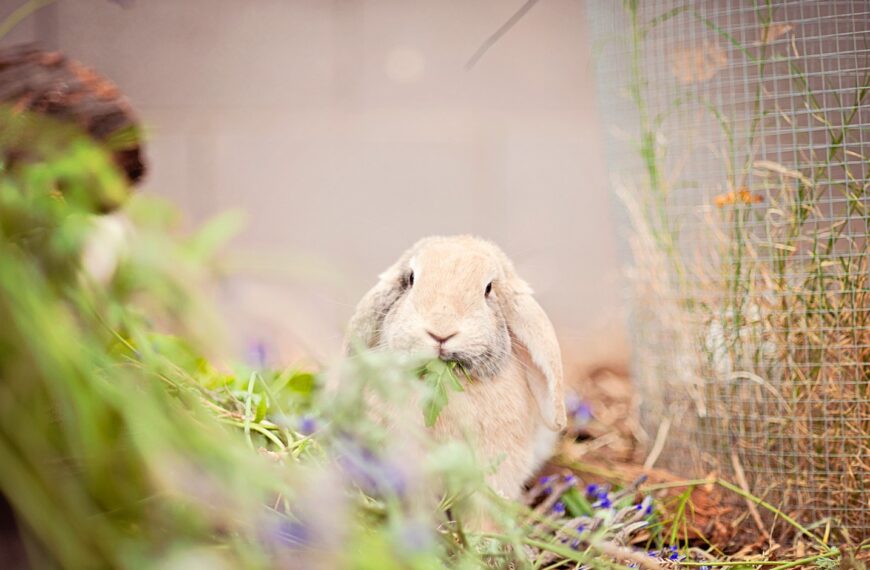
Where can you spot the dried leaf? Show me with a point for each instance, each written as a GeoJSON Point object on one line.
{"type": "Point", "coordinates": [698, 63]}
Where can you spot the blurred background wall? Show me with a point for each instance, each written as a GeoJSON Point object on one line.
{"type": "Point", "coordinates": [347, 129]}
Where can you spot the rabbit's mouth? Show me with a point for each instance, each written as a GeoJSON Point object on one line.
{"type": "Point", "coordinates": [485, 364]}
{"type": "Point", "coordinates": [457, 359]}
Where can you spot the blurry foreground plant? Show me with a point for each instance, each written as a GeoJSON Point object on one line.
{"type": "Point", "coordinates": [122, 446]}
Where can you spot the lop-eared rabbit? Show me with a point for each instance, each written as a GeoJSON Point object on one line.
{"type": "Point", "coordinates": [459, 299]}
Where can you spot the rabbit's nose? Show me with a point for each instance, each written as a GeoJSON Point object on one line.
{"type": "Point", "coordinates": [441, 339]}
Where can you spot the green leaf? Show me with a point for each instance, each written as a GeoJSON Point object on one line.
{"type": "Point", "coordinates": [437, 375]}
{"type": "Point", "coordinates": [576, 503]}
{"type": "Point", "coordinates": [262, 408]}
{"type": "Point", "coordinates": [302, 383]}
{"type": "Point", "coordinates": [435, 401]}
{"type": "Point", "coordinates": [215, 234]}
{"type": "Point", "coordinates": [454, 381]}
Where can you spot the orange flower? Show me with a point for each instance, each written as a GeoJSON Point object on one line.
{"type": "Point", "coordinates": [742, 195]}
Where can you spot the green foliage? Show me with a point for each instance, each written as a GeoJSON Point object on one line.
{"type": "Point", "coordinates": [437, 376]}
{"type": "Point", "coordinates": [576, 503]}
{"type": "Point", "coordinates": [123, 446]}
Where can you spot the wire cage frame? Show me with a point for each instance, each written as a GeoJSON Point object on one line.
{"type": "Point", "coordinates": [739, 146]}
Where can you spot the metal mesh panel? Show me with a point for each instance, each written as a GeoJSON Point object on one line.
{"type": "Point", "coordinates": [739, 142]}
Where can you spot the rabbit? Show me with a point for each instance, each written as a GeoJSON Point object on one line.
{"type": "Point", "coordinates": [458, 298]}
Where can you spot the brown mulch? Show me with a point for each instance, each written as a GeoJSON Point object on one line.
{"type": "Point", "coordinates": [607, 449]}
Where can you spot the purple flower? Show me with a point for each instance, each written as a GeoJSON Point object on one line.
{"type": "Point", "coordinates": [372, 474]}
{"type": "Point", "coordinates": [258, 354]}
{"type": "Point", "coordinates": [546, 480]}
{"type": "Point", "coordinates": [591, 489]}
{"type": "Point", "coordinates": [307, 425]}
{"type": "Point", "coordinates": [293, 533]}
{"type": "Point", "coordinates": [672, 553]}
{"type": "Point", "coordinates": [570, 479]}
{"type": "Point", "coordinates": [645, 506]}
{"type": "Point", "coordinates": [416, 536]}
{"type": "Point", "coordinates": [604, 503]}
{"type": "Point", "coordinates": [559, 508]}
{"type": "Point", "coordinates": [578, 410]}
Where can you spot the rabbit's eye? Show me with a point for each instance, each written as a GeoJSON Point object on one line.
{"type": "Point", "coordinates": [411, 279]}
{"type": "Point", "coordinates": [488, 289]}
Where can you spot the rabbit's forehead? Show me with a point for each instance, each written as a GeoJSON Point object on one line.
{"type": "Point", "coordinates": [451, 262]}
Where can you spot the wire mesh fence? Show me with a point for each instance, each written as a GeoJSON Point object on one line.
{"type": "Point", "coordinates": [739, 141]}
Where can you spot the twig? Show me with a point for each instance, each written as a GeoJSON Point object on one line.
{"type": "Point", "coordinates": [620, 553]}
{"type": "Point", "coordinates": [597, 443]}
{"type": "Point", "coordinates": [568, 553]}
{"type": "Point", "coordinates": [746, 495]}
{"type": "Point", "coordinates": [661, 438]}
{"type": "Point", "coordinates": [20, 13]}
{"type": "Point", "coordinates": [741, 480]}
{"type": "Point", "coordinates": [505, 28]}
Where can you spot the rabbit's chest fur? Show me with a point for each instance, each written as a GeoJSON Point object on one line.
{"type": "Point", "coordinates": [502, 421]}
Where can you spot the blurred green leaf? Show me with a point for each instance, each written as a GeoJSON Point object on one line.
{"type": "Point", "coordinates": [215, 234]}
{"type": "Point", "coordinates": [437, 375]}
{"type": "Point", "coordinates": [576, 504]}
{"type": "Point", "coordinates": [262, 407]}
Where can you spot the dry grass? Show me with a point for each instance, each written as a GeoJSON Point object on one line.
{"type": "Point", "coordinates": [752, 322]}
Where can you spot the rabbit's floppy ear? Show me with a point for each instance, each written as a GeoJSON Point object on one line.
{"type": "Point", "coordinates": [533, 331]}
{"type": "Point", "coordinates": [368, 317]}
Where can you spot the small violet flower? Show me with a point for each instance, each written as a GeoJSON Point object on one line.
{"type": "Point", "coordinates": [416, 537]}
{"type": "Point", "coordinates": [672, 553]}
{"type": "Point", "coordinates": [645, 506]}
{"type": "Point", "coordinates": [559, 508]}
{"type": "Point", "coordinates": [307, 425]}
{"type": "Point", "coordinates": [371, 473]}
{"type": "Point", "coordinates": [258, 354]}
{"type": "Point", "coordinates": [293, 533]}
{"type": "Point", "coordinates": [578, 410]}
{"type": "Point", "coordinates": [604, 503]}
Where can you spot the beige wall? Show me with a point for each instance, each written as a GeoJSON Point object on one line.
{"type": "Point", "coordinates": [346, 129]}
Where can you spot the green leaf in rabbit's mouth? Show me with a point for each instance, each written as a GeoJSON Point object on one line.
{"type": "Point", "coordinates": [438, 375]}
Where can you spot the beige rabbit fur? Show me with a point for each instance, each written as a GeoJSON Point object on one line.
{"type": "Point", "coordinates": [459, 298]}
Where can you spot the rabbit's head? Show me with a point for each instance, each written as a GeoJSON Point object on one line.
{"type": "Point", "coordinates": [459, 299]}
